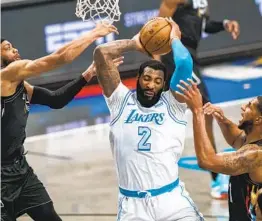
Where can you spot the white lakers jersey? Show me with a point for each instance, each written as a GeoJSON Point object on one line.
{"type": "Point", "coordinates": [146, 142]}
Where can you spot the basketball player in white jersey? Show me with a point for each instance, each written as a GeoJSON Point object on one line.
{"type": "Point", "coordinates": [147, 133]}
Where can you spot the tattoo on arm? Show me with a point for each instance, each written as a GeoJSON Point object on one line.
{"type": "Point", "coordinates": [242, 161]}
{"type": "Point", "coordinates": [107, 72]}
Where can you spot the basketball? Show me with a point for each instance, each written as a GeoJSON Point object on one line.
{"type": "Point", "coordinates": [154, 36]}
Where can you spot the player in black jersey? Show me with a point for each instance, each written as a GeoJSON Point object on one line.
{"type": "Point", "coordinates": [21, 190]}
{"type": "Point", "coordinates": [245, 164]}
{"type": "Point", "coordinates": [192, 16]}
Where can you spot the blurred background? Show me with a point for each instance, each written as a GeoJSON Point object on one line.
{"type": "Point", "coordinates": [232, 71]}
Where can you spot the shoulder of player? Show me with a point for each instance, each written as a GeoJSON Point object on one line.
{"type": "Point", "coordinates": [8, 88]}
{"type": "Point", "coordinates": [170, 96]}
{"type": "Point", "coordinates": [251, 152]}
{"type": "Point", "coordinates": [250, 147]}
{"type": "Point", "coordinates": [166, 94]}
{"type": "Point", "coordinates": [13, 69]}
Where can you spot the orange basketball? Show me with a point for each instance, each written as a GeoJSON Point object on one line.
{"type": "Point", "coordinates": [154, 36]}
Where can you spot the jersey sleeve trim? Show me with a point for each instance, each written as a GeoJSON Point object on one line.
{"type": "Point", "coordinates": [171, 114]}
{"type": "Point", "coordinates": [121, 109]}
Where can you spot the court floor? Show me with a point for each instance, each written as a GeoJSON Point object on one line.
{"type": "Point", "coordinates": [77, 168]}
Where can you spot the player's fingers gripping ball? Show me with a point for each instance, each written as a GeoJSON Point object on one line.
{"type": "Point", "coordinates": [155, 36]}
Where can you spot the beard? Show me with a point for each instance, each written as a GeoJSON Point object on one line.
{"type": "Point", "coordinates": [6, 62]}
{"type": "Point", "coordinates": [247, 126]}
{"type": "Point", "coordinates": [143, 99]}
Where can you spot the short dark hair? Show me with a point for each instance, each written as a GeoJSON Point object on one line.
{"type": "Point", "coordinates": [2, 39]}
{"type": "Point", "coordinates": [259, 105]}
{"type": "Point", "coordinates": [154, 64]}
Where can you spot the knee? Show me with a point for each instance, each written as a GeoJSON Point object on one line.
{"type": "Point", "coordinates": [49, 213]}
{"type": "Point", "coordinates": [44, 212]}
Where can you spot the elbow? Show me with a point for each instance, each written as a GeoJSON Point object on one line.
{"type": "Point", "coordinates": [57, 104]}
{"type": "Point", "coordinates": [185, 61]}
{"type": "Point", "coordinates": [204, 164]}
{"type": "Point", "coordinates": [100, 52]}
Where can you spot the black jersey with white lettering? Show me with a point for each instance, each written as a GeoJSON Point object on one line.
{"type": "Point", "coordinates": [190, 24]}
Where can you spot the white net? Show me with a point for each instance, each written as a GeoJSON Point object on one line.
{"type": "Point", "coordinates": [98, 10]}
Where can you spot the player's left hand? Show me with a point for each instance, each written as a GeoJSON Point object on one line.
{"type": "Point", "coordinates": [90, 72]}
{"type": "Point", "coordinates": [175, 32]}
{"type": "Point", "coordinates": [191, 95]}
{"type": "Point", "coordinates": [233, 28]}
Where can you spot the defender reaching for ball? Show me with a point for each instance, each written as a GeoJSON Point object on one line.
{"type": "Point", "coordinates": [147, 133]}
{"type": "Point", "coordinates": [21, 190]}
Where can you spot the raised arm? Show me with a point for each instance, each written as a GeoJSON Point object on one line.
{"type": "Point", "coordinates": [245, 160]}
{"type": "Point", "coordinates": [213, 27]}
{"type": "Point", "coordinates": [167, 9]}
{"type": "Point", "coordinates": [107, 72]}
{"type": "Point", "coordinates": [23, 69]}
{"type": "Point", "coordinates": [230, 26]}
{"type": "Point", "coordinates": [182, 59]}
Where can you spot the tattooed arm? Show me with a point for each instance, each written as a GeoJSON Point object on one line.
{"type": "Point", "coordinates": [107, 73]}
{"type": "Point", "coordinates": [245, 160]}
{"type": "Point", "coordinates": [248, 159]}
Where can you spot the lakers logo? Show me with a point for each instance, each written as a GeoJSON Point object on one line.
{"type": "Point", "coordinates": [134, 116]}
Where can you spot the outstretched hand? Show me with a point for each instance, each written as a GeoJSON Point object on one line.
{"type": "Point", "coordinates": [105, 28]}
{"type": "Point", "coordinates": [190, 94]}
{"type": "Point", "coordinates": [216, 112]}
{"type": "Point", "coordinates": [233, 28]}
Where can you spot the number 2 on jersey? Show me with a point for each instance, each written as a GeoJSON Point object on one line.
{"type": "Point", "coordinates": [145, 132]}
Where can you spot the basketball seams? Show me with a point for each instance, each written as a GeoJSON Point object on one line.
{"type": "Point", "coordinates": [155, 34]}
{"type": "Point", "coordinates": [145, 25]}
{"type": "Point", "coordinates": [162, 45]}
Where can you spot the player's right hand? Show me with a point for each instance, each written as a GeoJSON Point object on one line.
{"type": "Point", "coordinates": [216, 112]}
{"type": "Point", "coordinates": [104, 28]}
{"type": "Point", "coordinates": [175, 32]}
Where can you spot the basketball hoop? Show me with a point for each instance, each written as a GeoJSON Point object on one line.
{"type": "Point", "coordinates": [98, 10]}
